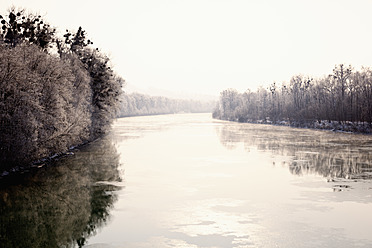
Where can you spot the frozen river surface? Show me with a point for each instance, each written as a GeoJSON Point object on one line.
{"type": "Point", "coordinates": [190, 181]}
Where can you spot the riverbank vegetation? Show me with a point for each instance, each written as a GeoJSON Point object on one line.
{"type": "Point", "coordinates": [339, 101]}
{"type": "Point", "coordinates": [55, 91]}
{"type": "Point", "coordinates": [136, 104]}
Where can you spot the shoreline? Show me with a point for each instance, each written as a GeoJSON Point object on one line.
{"type": "Point", "coordinates": [335, 126]}
{"type": "Point", "coordinates": [19, 170]}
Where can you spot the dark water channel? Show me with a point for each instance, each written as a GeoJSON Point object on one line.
{"type": "Point", "coordinates": [191, 181]}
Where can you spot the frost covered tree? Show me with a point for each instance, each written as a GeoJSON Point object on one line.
{"type": "Point", "coordinates": [50, 101]}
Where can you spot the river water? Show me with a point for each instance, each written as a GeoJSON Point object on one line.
{"type": "Point", "coordinates": [190, 181]}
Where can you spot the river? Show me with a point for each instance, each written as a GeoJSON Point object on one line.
{"type": "Point", "coordinates": [187, 180]}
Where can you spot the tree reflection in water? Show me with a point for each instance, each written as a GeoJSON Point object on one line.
{"type": "Point", "coordinates": [330, 154]}
{"type": "Point", "coordinates": [61, 205]}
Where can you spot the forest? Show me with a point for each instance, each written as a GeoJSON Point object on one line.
{"type": "Point", "coordinates": [56, 91]}
{"type": "Point", "coordinates": [341, 101]}
{"type": "Point", "coordinates": [135, 104]}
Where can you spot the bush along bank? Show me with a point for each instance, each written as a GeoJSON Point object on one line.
{"type": "Point", "coordinates": [55, 93]}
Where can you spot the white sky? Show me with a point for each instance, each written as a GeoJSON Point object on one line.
{"type": "Point", "coordinates": [206, 46]}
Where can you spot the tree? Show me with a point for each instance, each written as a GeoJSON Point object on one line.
{"type": "Point", "coordinates": [19, 27]}
{"type": "Point", "coordinates": [106, 89]}
{"type": "Point", "coordinates": [73, 43]}
{"type": "Point", "coordinates": [299, 89]}
{"type": "Point", "coordinates": [341, 76]}
{"type": "Point", "coordinates": [36, 104]}
{"type": "Point", "coordinates": [229, 101]}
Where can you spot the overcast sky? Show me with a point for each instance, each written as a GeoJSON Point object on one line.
{"type": "Point", "coordinates": [206, 46]}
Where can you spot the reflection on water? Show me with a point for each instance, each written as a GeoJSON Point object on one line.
{"type": "Point", "coordinates": [332, 155]}
{"type": "Point", "coordinates": [61, 205]}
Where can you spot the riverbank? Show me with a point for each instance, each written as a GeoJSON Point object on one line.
{"type": "Point", "coordinates": [14, 171]}
{"type": "Point", "coordinates": [336, 126]}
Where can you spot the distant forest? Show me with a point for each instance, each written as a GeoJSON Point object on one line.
{"type": "Point", "coordinates": [341, 100]}
{"type": "Point", "coordinates": [135, 104]}
{"type": "Point", "coordinates": [55, 91]}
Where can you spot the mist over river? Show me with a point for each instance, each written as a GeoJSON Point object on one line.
{"type": "Point", "coordinates": [188, 180]}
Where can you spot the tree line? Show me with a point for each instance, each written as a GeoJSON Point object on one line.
{"type": "Point", "coordinates": [343, 97]}
{"type": "Point", "coordinates": [55, 91]}
{"type": "Point", "coordinates": [136, 104]}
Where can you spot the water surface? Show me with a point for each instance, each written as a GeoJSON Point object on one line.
{"type": "Point", "coordinates": [191, 181]}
